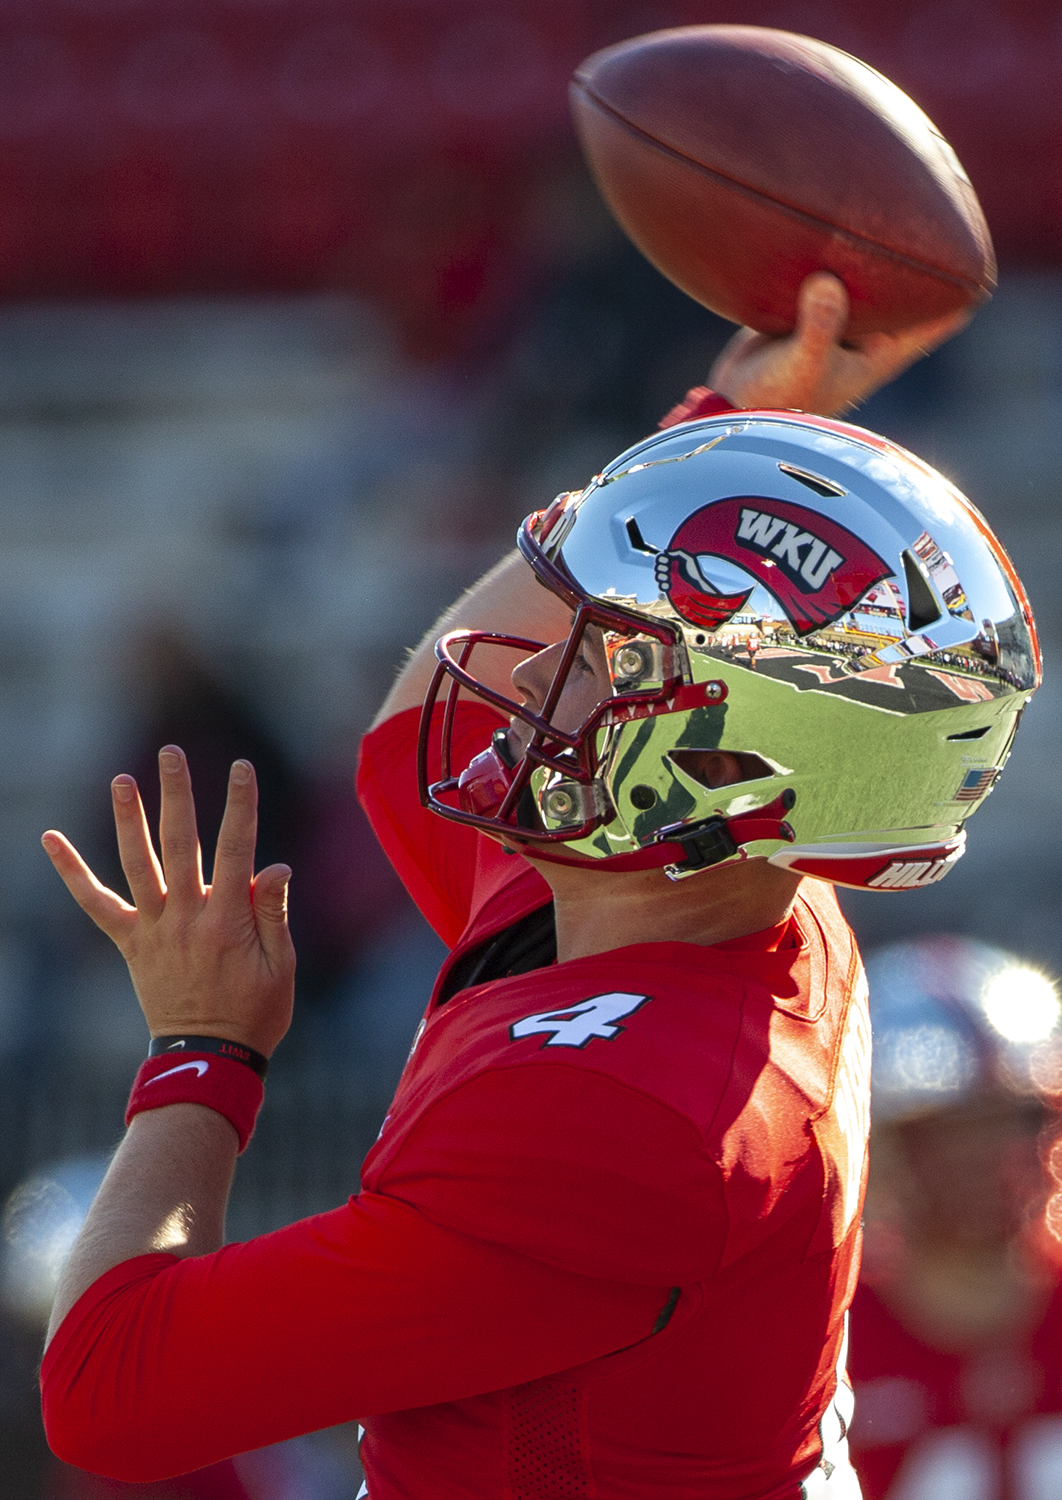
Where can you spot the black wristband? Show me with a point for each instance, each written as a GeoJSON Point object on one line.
{"type": "Point", "coordinates": [254, 1060]}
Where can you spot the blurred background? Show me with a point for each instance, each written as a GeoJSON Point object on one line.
{"type": "Point", "coordinates": [303, 305]}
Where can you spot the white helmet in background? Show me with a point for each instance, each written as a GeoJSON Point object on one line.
{"type": "Point", "coordinates": [955, 1020]}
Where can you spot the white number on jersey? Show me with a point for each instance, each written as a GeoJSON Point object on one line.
{"type": "Point", "coordinates": [575, 1025]}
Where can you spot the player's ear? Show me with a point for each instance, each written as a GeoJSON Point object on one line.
{"type": "Point", "coordinates": [715, 768]}
{"type": "Point", "coordinates": [711, 768]}
{"type": "Point", "coordinates": [724, 769]}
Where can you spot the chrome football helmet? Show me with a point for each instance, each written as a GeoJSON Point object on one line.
{"type": "Point", "coordinates": [798, 592]}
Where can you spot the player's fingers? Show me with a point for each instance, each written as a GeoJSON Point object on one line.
{"type": "Point", "coordinates": [927, 336]}
{"type": "Point", "coordinates": [892, 352]}
{"type": "Point", "coordinates": [234, 860]}
{"type": "Point", "coordinates": [269, 893]}
{"type": "Point", "coordinates": [886, 355]}
{"type": "Point", "coordinates": [738, 347]}
{"type": "Point", "coordinates": [141, 866]}
{"type": "Point", "coordinates": [881, 356]}
{"type": "Point", "coordinates": [737, 344]}
{"type": "Point", "coordinates": [181, 860]}
{"type": "Point", "coordinates": [110, 913]}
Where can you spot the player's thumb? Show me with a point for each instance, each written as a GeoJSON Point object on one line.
{"type": "Point", "coordinates": [269, 894]}
{"type": "Point", "coordinates": [822, 312]}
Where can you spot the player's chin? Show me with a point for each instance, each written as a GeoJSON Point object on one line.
{"type": "Point", "coordinates": [510, 843]}
{"type": "Point", "coordinates": [516, 740]}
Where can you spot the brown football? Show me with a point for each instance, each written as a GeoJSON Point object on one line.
{"type": "Point", "coordinates": [740, 159]}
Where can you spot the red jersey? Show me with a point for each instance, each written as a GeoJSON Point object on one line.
{"type": "Point", "coordinates": [605, 1241]}
{"type": "Point", "coordinates": [668, 1115]}
{"type": "Point", "coordinates": [984, 1425]}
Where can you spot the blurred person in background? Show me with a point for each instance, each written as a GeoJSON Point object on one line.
{"type": "Point", "coordinates": [956, 1329]}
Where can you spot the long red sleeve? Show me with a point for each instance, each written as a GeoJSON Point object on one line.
{"type": "Point", "coordinates": [167, 1365]}
{"type": "Point", "coordinates": [435, 859]}
{"type": "Point", "coordinates": [698, 402]}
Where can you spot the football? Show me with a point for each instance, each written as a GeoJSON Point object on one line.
{"type": "Point", "coordinates": [740, 159]}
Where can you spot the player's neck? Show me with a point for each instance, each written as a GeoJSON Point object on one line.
{"type": "Point", "coordinates": [598, 910]}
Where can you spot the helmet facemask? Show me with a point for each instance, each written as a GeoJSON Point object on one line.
{"type": "Point", "coordinates": [547, 790]}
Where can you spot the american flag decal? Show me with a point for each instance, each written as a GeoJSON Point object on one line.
{"type": "Point", "coordinates": [975, 784]}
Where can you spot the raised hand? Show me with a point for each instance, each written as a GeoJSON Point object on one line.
{"type": "Point", "coordinates": [810, 369]}
{"type": "Point", "coordinates": [211, 960]}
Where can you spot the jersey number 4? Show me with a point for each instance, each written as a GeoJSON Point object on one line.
{"type": "Point", "coordinates": [575, 1025]}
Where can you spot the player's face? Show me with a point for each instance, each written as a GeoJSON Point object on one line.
{"type": "Point", "coordinates": [588, 684]}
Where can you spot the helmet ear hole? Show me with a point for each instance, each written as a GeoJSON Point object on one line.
{"type": "Point", "coordinates": [923, 606]}
{"type": "Point", "coordinates": [716, 768]}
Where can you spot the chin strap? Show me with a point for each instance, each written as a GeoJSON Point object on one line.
{"type": "Point", "coordinates": [684, 848]}
{"type": "Point", "coordinates": [718, 838]}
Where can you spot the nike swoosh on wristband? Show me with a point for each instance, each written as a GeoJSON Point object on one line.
{"type": "Point", "coordinates": [200, 1068]}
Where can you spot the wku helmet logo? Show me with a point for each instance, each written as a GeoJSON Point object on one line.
{"type": "Point", "coordinates": [816, 569]}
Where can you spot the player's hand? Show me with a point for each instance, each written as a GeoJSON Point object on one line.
{"type": "Point", "coordinates": [205, 960]}
{"type": "Point", "coordinates": [810, 369]}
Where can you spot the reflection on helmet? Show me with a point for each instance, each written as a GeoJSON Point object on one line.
{"type": "Point", "coordinates": [954, 1020]}
{"type": "Point", "coordinates": [791, 590]}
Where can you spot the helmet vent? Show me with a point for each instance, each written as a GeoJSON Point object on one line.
{"type": "Point", "coordinates": [637, 541]}
{"type": "Point", "coordinates": [824, 487]}
{"type": "Point", "coordinates": [923, 606]}
{"type": "Point", "coordinates": [697, 763]}
{"type": "Point", "coordinates": [971, 734]}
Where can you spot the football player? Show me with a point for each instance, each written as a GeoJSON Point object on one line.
{"type": "Point", "coordinates": [956, 1353]}
{"type": "Point", "coordinates": [605, 1242]}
